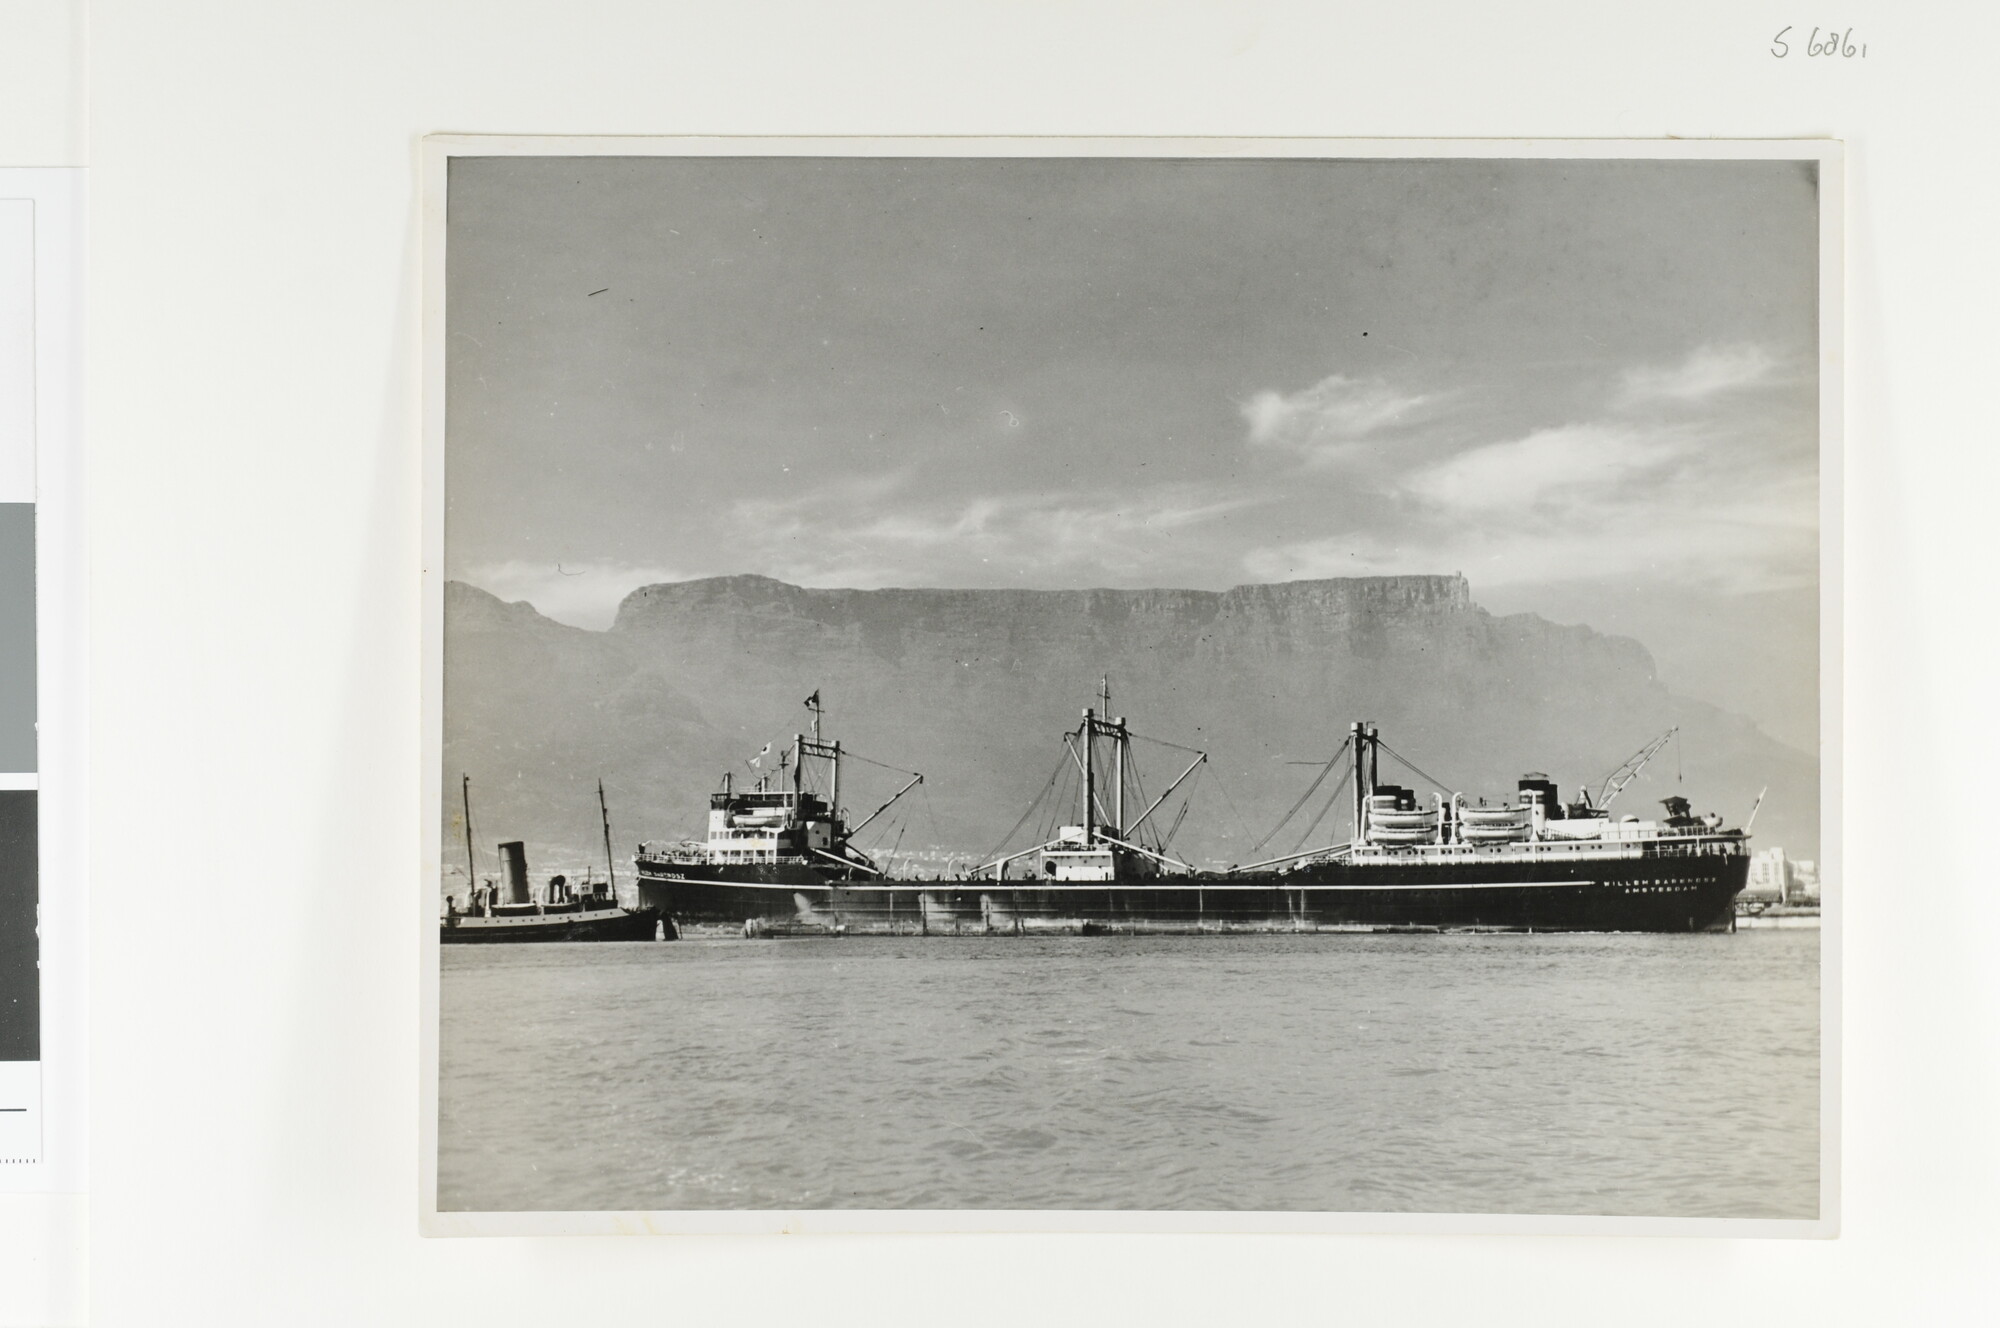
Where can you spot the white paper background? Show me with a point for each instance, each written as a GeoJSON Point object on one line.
{"type": "Point", "coordinates": [256, 623]}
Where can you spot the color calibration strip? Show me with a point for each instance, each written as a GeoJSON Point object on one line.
{"type": "Point", "coordinates": [20, 932]}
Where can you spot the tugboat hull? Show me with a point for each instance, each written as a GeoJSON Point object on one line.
{"type": "Point", "coordinates": [599, 925]}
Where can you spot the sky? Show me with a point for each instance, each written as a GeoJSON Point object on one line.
{"type": "Point", "coordinates": [1588, 386]}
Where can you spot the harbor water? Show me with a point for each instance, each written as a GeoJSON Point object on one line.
{"type": "Point", "coordinates": [1673, 1076]}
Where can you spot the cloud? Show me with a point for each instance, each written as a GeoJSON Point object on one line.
{"type": "Point", "coordinates": [583, 594]}
{"type": "Point", "coordinates": [1040, 535]}
{"type": "Point", "coordinates": [1325, 420]}
{"type": "Point", "coordinates": [996, 539]}
{"type": "Point", "coordinates": [1697, 524]}
{"type": "Point", "coordinates": [1570, 461]}
{"type": "Point", "coordinates": [1707, 372]}
{"type": "Point", "coordinates": [1698, 473]}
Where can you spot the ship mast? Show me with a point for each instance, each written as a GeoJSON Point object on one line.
{"type": "Point", "coordinates": [1089, 776]}
{"type": "Point", "coordinates": [829, 752]}
{"type": "Point", "coordinates": [1118, 737]}
{"type": "Point", "coordinates": [471, 867]}
{"type": "Point", "coordinates": [1365, 739]}
{"type": "Point", "coordinates": [1100, 724]}
{"type": "Point", "coordinates": [1355, 740]}
{"type": "Point", "coordinates": [1374, 758]}
{"type": "Point", "coordinates": [610, 864]}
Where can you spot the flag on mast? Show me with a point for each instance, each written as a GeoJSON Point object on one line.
{"type": "Point", "coordinates": [812, 702]}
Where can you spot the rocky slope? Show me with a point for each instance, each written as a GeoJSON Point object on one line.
{"type": "Point", "coordinates": [974, 687]}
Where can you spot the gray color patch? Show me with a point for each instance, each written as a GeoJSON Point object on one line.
{"type": "Point", "coordinates": [17, 637]}
{"type": "Point", "coordinates": [20, 943]}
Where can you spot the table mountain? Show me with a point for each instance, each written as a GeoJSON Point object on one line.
{"type": "Point", "coordinates": [974, 688]}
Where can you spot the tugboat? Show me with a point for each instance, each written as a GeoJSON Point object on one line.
{"type": "Point", "coordinates": [561, 911]}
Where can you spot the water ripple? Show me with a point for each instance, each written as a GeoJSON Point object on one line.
{"type": "Point", "coordinates": [1666, 1076]}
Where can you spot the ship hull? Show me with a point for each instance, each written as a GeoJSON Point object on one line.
{"type": "Point", "coordinates": [597, 925]}
{"type": "Point", "coordinates": [1470, 892]}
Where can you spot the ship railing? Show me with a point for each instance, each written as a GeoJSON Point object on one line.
{"type": "Point", "coordinates": [1722, 845]}
{"type": "Point", "coordinates": [699, 854]}
{"type": "Point", "coordinates": [681, 852]}
{"type": "Point", "coordinates": [1306, 858]}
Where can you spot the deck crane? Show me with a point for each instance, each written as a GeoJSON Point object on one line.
{"type": "Point", "coordinates": [1615, 782]}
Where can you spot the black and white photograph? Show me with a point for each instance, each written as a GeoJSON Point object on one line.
{"type": "Point", "coordinates": [1252, 678]}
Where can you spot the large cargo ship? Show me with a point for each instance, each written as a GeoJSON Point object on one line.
{"type": "Point", "coordinates": [779, 861]}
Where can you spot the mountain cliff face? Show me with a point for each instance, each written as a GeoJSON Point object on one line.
{"type": "Point", "coordinates": [975, 687]}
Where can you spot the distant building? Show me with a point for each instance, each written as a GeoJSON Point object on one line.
{"type": "Point", "coordinates": [1770, 877]}
{"type": "Point", "coordinates": [1804, 888]}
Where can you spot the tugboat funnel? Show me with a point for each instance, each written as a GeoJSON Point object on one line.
{"type": "Point", "coordinates": [515, 858]}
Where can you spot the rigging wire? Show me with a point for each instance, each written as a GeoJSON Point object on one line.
{"type": "Point", "coordinates": [937, 830]}
{"type": "Point", "coordinates": [1096, 797]}
{"type": "Point", "coordinates": [1311, 788]}
{"type": "Point", "coordinates": [1332, 801]}
{"type": "Point", "coordinates": [1065, 803]}
{"type": "Point", "coordinates": [1140, 799]}
{"type": "Point", "coordinates": [1444, 788]}
{"type": "Point", "coordinates": [1026, 814]}
{"type": "Point", "coordinates": [1241, 823]}
{"type": "Point", "coordinates": [1162, 742]}
{"type": "Point", "coordinates": [846, 755]}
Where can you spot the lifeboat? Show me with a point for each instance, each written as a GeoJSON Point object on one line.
{"type": "Point", "coordinates": [1402, 827]}
{"type": "Point", "coordinates": [1378, 835]}
{"type": "Point", "coordinates": [1493, 834]}
{"type": "Point", "coordinates": [1493, 817]}
{"type": "Point", "coordinates": [1385, 820]}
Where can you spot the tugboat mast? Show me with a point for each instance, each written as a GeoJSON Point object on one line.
{"type": "Point", "coordinates": [471, 867]}
{"type": "Point", "coordinates": [610, 864]}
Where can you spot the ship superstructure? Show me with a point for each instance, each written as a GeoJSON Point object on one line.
{"type": "Point", "coordinates": [778, 835]}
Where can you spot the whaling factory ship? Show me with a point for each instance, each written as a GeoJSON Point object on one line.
{"type": "Point", "coordinates": [780, 860]}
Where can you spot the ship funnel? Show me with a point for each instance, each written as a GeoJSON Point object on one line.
{"type": "Point", "coordinates": [515, 859]}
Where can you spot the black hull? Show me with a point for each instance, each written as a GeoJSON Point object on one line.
{"type": "Point", "coordinates": [1657, 892]}
{"type": "Point", "coordinates": [600, 925]}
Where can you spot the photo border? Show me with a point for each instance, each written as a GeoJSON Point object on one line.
{"type": "Point", "coordinates": [438, 150]}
